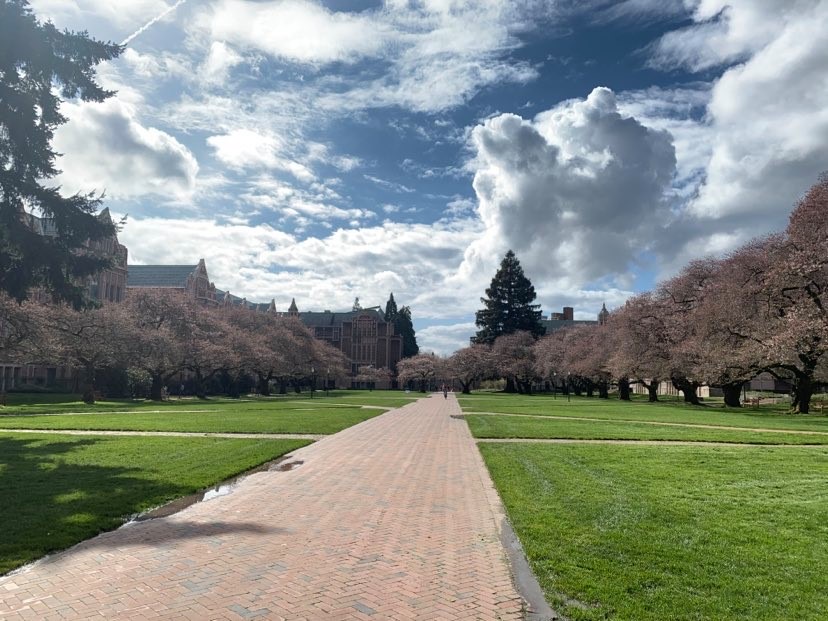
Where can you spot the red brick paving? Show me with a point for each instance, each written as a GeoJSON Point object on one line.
{"type": "Point", "coordinates": [395, 518]}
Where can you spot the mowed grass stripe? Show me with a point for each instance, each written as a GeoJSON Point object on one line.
{"type": "Point", "coordinates": [674, 412]}
{"type": "Point", "coordinates": [489, 426]}
{"type": "Point", "coordinates": [653, 533]}
{"type": "Point", "coordinates": [21, 403]}
{"type": "Point", "coordinates": [653, 422]}
{"type": "Point", "coordinates": [227, 420]}
{"type": "Point", "coordinates": [58, 490]}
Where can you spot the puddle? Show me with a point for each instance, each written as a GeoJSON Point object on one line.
{"type": "Point", "coordinates": [222, 489]}
{"type": "Point", "coordinates": [287, 467]}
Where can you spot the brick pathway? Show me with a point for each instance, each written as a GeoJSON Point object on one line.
{"type": "Point", "coordinates": [395, 518]}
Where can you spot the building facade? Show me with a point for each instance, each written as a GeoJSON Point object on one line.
{"type": "Point", "coordinates": [362, 334]}
{"type": "Point", "coordinates": [566, 318]}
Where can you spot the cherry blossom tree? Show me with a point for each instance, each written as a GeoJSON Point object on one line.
{"type": "Point", "coordinates": [153, 327]}
{"type": "Point", "coordinates": [469, 365]}
{"type": "Point", "coordinates": [204, 335]}
{"type": "Point", "coordinates": [87, 340]}
{"type": "Point", "coordinates": [550, 352]}
{"type": "Point", "coordinates": [21, 323]}
{"type": "Point", "coordinates": [587, 358]}
{"type": "Point", "coordinates": [421, 368]}
{"type": "Point", "coordinates": [514, 358]}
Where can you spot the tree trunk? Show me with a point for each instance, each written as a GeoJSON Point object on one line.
{"type": "Point", "coordinates": [590, 389]}
{"type": "Point", "coordinates": [466, 387]}
{"type": "Point", "coordinates": [89, 385]}
{"type": "Point", "coordinates": [199, 385]}
{"type": "Point", "coordinates": [263, 384]}
{"type": "Point", "coordinates": [283, 386]}
{"type": "Point", "coordinates": [732, 394]}
{"type": "Point", "coordinates": [652, 390]}
{"type": "Point", "coordinates": [156, 387]}
{"type": "Point", "coordinates": [624, 389]}
{"type": "Point", "coordinates": [233, 387]}
{"type": "Point", "coordinates": [603, 390]}
{"type": "Point", "coordinates": [527, 387]}
{"type": "Point", "coordinates": [803, 390]}
{"type": "Point", "coordinates": [688, 389]}
{"type": "Point", "coordinates": [510, 385]}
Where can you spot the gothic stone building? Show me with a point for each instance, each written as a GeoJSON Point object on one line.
{"type": "Point", "coordinates": [362, 334]}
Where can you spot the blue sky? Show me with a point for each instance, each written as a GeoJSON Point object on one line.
{"type": "Point", "coordinates": [341, 149]}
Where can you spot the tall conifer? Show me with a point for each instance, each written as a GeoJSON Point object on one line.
{"type": "Point", "coordinates": [390, 309]}
{"type": "Point", "coordinates": [508, 305]}
{"type": "Point", "coordinates": [405, 328]}
{"type": "Point", "coordinates": [38, 65]}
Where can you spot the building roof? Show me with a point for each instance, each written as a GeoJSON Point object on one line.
{"type": "Point", "coordinates": [552, 325]}
{"type": "Point", "coordinates": [327, 318]}
{"type": "Point", "coordinates": [166, 276]}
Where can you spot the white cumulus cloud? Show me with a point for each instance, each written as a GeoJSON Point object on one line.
{"type": "Point", "coordinates": [577, 191]}
{"type": "Point", "coordinates": [106, 148]}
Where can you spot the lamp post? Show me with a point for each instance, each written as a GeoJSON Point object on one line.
{"type": "Point", "coordinates": [313, 381]}
{"type": "Point", "coordinates": [327, 382]}
{"type": "Point", "coordinates": [568, 389]}
{"type": "Point", "coordinates": [554, 386]}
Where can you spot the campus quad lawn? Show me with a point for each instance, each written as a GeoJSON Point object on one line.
{"type": "Point", "coordinates": [489, 426]}
{"type": "Point", "coordinates": [25, 403]}
{"type": "Point", "coordinates": [766, 416]}
{"type": "Point", "coordinates": [219, 417]}
{"type": "Point", "coordinates": [676, 532]}
{"type": "Point", "coordinates": [58, 490]}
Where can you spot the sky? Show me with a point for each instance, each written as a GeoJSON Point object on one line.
{"type": "Point", "coordinates": [327, 150]}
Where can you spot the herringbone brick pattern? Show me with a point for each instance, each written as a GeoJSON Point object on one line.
{"type": "Point", "coordinates": [395, 518]}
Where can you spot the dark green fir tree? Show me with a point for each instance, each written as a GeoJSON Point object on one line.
{"type": "Point", "coordinates": [39, 65]}
{"type": "Point", "coordinates": [390, 309]}
{"type": "Point", "coordinates": [509, 304]}
{"type": "Point", "coordinates": [405, 328]}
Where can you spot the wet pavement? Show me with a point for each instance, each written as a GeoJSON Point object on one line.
{"type": "Point", "coordinates": [394, 518]}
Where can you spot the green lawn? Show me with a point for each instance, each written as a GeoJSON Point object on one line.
{"type": "Point", "coordinates": [487, 426]}
{"type": "Point", "coordinates": [764, 417]}
{"type": "Point", "coordinates": [58, 490]}
{"type": "Point", "coordinates": [22, 403]}
{"type": "Point", "coordinates": [277, 415]}
{"type": "Point", "coordinates": [226, 420]}
{"type": "Point", "coordinates": [655, 533]}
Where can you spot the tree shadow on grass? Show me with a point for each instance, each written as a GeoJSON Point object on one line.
{"type": "Point", "coordinates": [55, 493]}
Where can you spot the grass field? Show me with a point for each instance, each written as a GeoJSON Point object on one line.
{"type": "Point", "coordinates": [58, 490]}
{"type": "Point", "coordinates": [486, 426]}
{"type": "Point", "coordinates": [654, 533]}
{"type": "Point", "coordinates": [277, 415]}
{"type": "Point", "coordinates": [766, 416]}
{"type": "Point", "coordinates": [664, 532]}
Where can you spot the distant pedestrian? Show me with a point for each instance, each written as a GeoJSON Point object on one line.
{"type": "Point", "coordinates": [445, 391]}
{"type": "Point", "coordinates": [181, 391]}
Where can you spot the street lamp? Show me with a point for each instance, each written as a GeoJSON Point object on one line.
{"type": "Point", "coordinates": [554, 385]}
{"type": "Point", "coordinates": [327, 382]}
{"type": "Point", "coordinates": [313, 381]}
{"type": "Point", "coordinates": [568, 389]}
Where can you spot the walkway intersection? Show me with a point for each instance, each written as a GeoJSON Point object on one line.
{"type": "Point", "coordinates": [394, 518]}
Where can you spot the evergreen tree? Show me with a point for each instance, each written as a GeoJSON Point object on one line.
{"type": "Point", "coordinates": [405, 328]}
{"type": "Point", "coordinates": [390, 309]}
{"type": "Point", "coordinates": [508, 305]}
{"type": "Point", "coordinates": [38, 65]}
